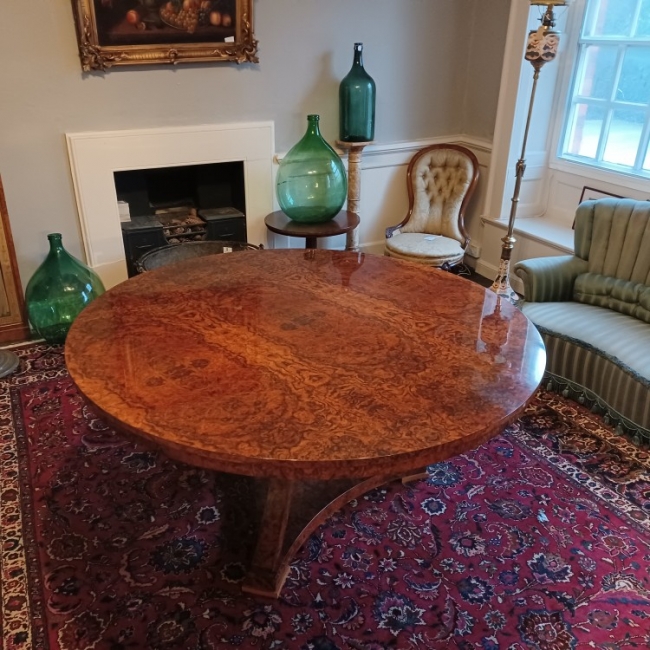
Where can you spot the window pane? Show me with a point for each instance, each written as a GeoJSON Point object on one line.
{"type": "Point", "coordinates": [608, 118]}
{"type": "Point", "coordinates": [643, 26]}
{"type": "Point", "coordinates": [610, 18]}
{"type": "Point", "coordinates": [624, 137]}
{"type": "Point", "coordinates": [584, 132]}
{"type": "Point", "coordinates": [634, 84]}
{"type": "Point", "coordinates": [598, 71]}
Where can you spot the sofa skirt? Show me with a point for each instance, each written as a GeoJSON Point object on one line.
{"type": "Point", "coordinates": [592, 377]}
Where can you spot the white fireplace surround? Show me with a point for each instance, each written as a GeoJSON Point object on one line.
{"type": "Point", "coordinates": [94, 157]}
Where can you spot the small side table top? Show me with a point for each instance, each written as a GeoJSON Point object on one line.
{"type": "Point", "coordinates": [344, 222]}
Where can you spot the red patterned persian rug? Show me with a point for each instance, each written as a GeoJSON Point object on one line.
{"type": "Point", "coordinates": [538, 540]}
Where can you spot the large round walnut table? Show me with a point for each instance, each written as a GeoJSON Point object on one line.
{"type": "Point", "coordinates": [322, 373]}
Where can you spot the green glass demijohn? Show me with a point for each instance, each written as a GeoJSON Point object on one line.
{"type": "Point", "coordinates": [57, 292]}
{"type": "Point", "coordinates": [357, 102]}
{"type": "Point", "coordinates": [311, 185]}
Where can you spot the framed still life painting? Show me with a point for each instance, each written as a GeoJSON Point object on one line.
{"type": "Point", "coordinates": [138, 32]}
{"type": "Point", "coordinates": [590, 193]}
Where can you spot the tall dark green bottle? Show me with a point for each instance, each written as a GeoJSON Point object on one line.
{"type": "Point", "coordinates": [357, 102]}
{"type": "Point", "coordinates": [57, 292]}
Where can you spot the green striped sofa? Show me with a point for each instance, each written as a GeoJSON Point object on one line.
{"type": "Point", "coordinates": [593, 311]}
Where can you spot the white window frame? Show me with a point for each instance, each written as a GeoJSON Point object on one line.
{"type": "Point", "coordinates": [568, 61]}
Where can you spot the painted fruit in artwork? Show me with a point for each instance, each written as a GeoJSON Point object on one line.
{"type": "Point", "coordinates": [226, 20]}
{"type": "Point", "coordinates": [215, 18]}
{"type": "Point", "coordinates": [132, 17]}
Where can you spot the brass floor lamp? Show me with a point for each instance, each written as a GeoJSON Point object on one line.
{"type": "Point", "coordinates": [542, 47]}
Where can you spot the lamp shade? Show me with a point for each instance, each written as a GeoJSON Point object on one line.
{"type": "Point", "coordinates": [542, 46]}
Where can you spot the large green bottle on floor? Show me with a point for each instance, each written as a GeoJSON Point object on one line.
{"type": "Point", "coordinates": [311, 185]}
{"type": "Point", "coordinates": [357, 102]}
{"type": "Point", "coordinates": [57, 292]}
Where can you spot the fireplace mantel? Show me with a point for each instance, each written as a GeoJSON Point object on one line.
{"type": "Point", "coordinates": [94, 157]}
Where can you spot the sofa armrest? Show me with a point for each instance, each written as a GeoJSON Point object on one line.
{"type": "Point", "coordinates": [550, 279]}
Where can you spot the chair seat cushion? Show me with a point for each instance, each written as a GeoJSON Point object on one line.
{"type": "Point", "coordinates": [425, 248]}
{"type": "Point", "coordinates": [624, 338]}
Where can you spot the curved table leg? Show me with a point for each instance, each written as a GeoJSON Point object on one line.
{"type": "Point", "coordinates": [265, 577]}
{"type": "Point", "coordinates": [292, 512]}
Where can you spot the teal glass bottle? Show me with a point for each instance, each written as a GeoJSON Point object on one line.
{"type": "Point", "coordinates": [311, 184]}
{"type": "Point", "coordinates": [57, 292]}
{"type": "Point", "coordinates": [357, 94]}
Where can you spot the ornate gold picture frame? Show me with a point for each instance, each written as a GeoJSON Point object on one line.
{"type": "Point", "coordinates": [138, 32]}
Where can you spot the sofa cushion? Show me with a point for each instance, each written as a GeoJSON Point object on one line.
{"type": "Point", "coordinates": [614, 334]}
{"type": "Point", "coordinates": [631, 298]}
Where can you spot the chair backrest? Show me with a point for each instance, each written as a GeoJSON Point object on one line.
{"type": "Point", "coordinates": [440, 180]}
{"type": "Point", "coordinates": [172, 253]}
{"type": "Point", "coordinates": [613, 235]}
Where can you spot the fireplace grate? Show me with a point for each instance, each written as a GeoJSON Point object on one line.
{"type": "Point", "coordinates": [178, 225]}
{"type": "Point", "coordinates": [181, 224]}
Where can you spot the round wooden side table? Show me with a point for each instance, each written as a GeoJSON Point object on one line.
{"type": "Point", "coordinates": [344, 222]}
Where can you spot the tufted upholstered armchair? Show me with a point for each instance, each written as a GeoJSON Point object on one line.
{"type": "Point", "coordinates": [440, 180]}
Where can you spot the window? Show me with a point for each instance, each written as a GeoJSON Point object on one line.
{"type": "Point", "coordinates": [608, 118]}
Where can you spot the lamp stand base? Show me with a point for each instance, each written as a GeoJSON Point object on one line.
{"type": "Point", "coordinates": [9, 361]}
{"type": "Point", "coordinates": [501, 285]}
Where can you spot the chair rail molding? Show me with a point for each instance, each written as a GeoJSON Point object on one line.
{"type": "Point", "coordinates": [377, 155]}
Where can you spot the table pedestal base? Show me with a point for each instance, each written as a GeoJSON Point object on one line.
{"type": "Point", "coordinates": [292, 512]}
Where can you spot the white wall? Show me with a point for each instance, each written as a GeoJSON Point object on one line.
{"type": "Point", "coordinates": [417, 51]}
{"type": "Point", "coordinates": [486, 45]}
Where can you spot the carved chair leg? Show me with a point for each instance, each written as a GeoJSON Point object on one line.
{"type": "Point", "coordinates": [457, 269]}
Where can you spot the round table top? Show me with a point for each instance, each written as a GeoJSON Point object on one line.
{"type": "Point", "coordinates": [301, 364]}
{"type": "Point", "coordinates": [343, 222]}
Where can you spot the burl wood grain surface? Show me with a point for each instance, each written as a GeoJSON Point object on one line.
{"type": "Point", "coordinates": [302, 364]}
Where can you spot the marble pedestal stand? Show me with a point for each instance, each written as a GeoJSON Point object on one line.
{"type": "Point", "coordinates": [354, 151]}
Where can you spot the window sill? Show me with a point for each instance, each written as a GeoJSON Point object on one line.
{"type": "Point", "coordinates": [542, 230]}
{"type": "Point", "coordinates": [592, 173]}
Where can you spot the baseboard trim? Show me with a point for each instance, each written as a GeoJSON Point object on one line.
{"type": "Point", "coordinates": [13, 333]}
{"type": "Point", "coordinates": [373, 248]}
